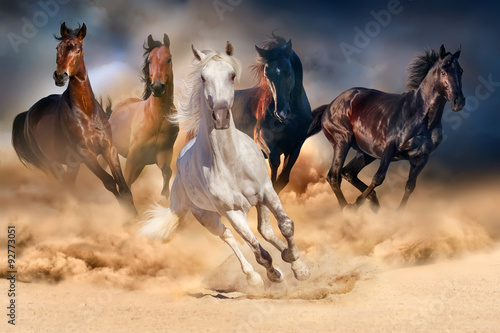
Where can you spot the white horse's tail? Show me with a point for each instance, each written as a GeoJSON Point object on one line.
{"type": "Point", "coordinates": [160, 222]}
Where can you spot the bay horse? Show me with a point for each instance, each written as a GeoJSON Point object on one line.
{"type": "Point", "coordinates": [71, 128]}
{"type": "Point", "coordinates": [141, 132]}
{"type": "Point", "coordinates": [276, 112]}
{"type": "Point", "coordinates": [390, 127]}
{"type": "Point", "coordinates": [222, 172]}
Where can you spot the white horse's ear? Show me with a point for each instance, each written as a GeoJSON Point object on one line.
{"type": "Point", "coordinates": [197, 53]}
{"type": "Point", "coordinates": [229, 49]}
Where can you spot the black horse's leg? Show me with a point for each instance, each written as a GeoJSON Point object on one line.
{"type": "Point", "coordinates": [379, 176]}
{"type": "Point", "coordinates": [416, 166]}
{"type": "Point", "coordinates": [274, 163]}
{"type": "Point", "coordinates": [334, 178]}
{"type": "Point", "coordinates": [288, 163]}
{"type": "Point", "coordinates": [353, 168]}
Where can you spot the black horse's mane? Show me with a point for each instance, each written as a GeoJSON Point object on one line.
{"type": "Point", "coordinates": [145, 68]}
{"type": "Point", "coordinates": [419, 67]}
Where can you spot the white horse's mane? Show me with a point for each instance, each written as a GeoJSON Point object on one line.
{"type": "Point", "coordinates": [189, 106]}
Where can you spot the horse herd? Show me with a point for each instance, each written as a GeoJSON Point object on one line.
{"type": "Point", "coordinates": [222, 170]}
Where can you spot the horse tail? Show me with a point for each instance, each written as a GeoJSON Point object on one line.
{"type": "Point", "coordinates": [108, 110]}
{"type": "Point", "coordinates": [160, 222]}
{"type": "Point", "coordinates": [316, 122]}
{"type": "Point", "coordinates": [23, 150]}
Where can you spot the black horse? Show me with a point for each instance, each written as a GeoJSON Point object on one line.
{"type": "Point", "coordinates": [390, 127]}
{"type": "Point", "coordinates": [276, 112]}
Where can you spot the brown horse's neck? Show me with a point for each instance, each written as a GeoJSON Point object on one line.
{"type": "Point", "coordinates": [80, 91]}
{"type": "Point", "coordinates": [162, 105]}
{"type": "Point", "coordinates": [433, 101]}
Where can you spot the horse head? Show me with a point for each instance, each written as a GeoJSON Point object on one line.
{"type": "Point", "coordinates": [69, 53]}
{"type": "Point", "coordinates": [158, 65]}
{"type": "Point", "coordinates": [449, 78]}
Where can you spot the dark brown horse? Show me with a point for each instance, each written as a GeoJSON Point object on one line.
{"type": "Point", "coordinates": [276, 112]}
{"type": "Point", "coordinates": [390, 127]}
{"type": "Point", "coordinates": [71, 128]}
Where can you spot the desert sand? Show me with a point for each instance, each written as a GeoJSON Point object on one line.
{"type": "Point", "coordinates": [81, 267]}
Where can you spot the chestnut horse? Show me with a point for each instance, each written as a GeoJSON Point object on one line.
{"type": "Point", "coordinates": [390, 127]}
{"type": "Point", "coordinates": [71, 128]}
{"type": "Point", "coordinates": [141, 130]}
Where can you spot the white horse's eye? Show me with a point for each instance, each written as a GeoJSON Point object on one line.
{"type": "Point", "coordinates": [278, 71]}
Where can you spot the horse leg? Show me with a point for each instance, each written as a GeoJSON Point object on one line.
{"type": "Point", "coordinates": [266, 230]}
{"type": "Point", "coordinates": [239, 222]}
{"type": "Point", "coordinates": [163, 160]}
{"type": "Point", "coordinates": [353, 168]}
{"type": "Point", "coordinates": [334, 178]}
{"type": "Point", "coordinates": [134, 166]}
{"type": "Point", "coordinates": [125, 195]}
{"type": "Point", "coordinates": [70, 175]}
{"type": "Point", "coordinates": [291, 253]}
{"type": "Point", "coordinates": [288, 164]}
{"type": "Point", "coordinates": [379, 176]}
{"type": "Point", "coordinates": [274, 163]}
{"type": "Point", "coordinates": [416, 166]}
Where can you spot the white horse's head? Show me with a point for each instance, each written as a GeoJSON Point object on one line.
{"type": "Point", "coordinates": [217, 76]}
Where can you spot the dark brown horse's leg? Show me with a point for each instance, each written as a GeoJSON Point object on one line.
{"type": "Point", "coordinates": [334, 178]}
{"type": "Point", "coordinates": [416, 166]}
{"type": "Point", "coordinates": [125, 195]}
{"type": "Point", "coordinates": [379, 176]}
{"type": "Point", "coordinates": [288, 163]}
{"type": "Point", "coordinates": [353, 168]}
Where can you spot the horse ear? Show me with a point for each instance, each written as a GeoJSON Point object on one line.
{"type": "Point", "coordinates": [82, 32]}
{"type": "Point", "coordinates": [457, 52]}
{"type": "Point", "coordinates": [442, 51]}
{"type": "Point", "coordinates": [166, 40]}
{"type": "Point", "coordinates": [150, 41]}
{"type": "Point", "coordinates": [64, 30]}
{"type": "Point", "coordinates": [288, 48]}
{"type": "Point", "coordinates": [263, 53]}
{"type": "Point", "coordinates": [229, 49]}
{"type": "Point", "coordinates": [197, 53]}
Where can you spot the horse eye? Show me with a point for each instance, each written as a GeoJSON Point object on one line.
{"type": "Point", "coordinates": [233, 76]}
{"type": "Point", "coordinates": [169, 60]}
{"type": "Point", "coordinates": [443, 72]}
{"type": "Point", "coordinates": [78, 51]}
{"type": "Point", "coordinates": [202, 79]}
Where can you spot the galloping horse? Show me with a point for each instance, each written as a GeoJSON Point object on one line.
{"type": "Point", "coordinates": [390, 127]}
{"type": "Point", "coordinates": [276, 112]}
{"type": "Point", "coordinates": [141, 131]}
{"type": "Point", "coordinates": [71, 128]}
{"type": "Point", "coordinates": [222, 172]}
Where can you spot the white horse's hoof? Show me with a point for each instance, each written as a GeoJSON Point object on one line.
{"type": "Point", "coordinates": [289, 255]}
{"type": "Point", "coordinates": [255, 281]}
{"type": "Point", "coordinates": [276, 275]}
{"type": "Point", "coordinates": [300, 270]}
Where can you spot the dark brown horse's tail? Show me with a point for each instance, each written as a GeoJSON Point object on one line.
{"type": "Point", "coordinates": [23, 150]}
{"type": "Point", "coordinates": [317, 114]}
{"type": "Point", "coordinates": [108, 110]}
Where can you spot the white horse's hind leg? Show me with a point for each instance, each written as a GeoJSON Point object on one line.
{"type": "Point", "coordinates": [265, 228]}
{"type": "Point", "coordinates": [285, 224]}
{"type": "Point", "coordinates": [240, 224]}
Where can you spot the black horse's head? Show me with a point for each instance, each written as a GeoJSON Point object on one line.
{"type": "Point", "coordinates": [279, 74]}
{"type": "Point", "coordinates": [449, 78]}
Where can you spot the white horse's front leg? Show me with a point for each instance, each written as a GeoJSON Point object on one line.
{"type": "Point", "coordinates": [291, 253]}
{"type": "Point", "coordinates": [239, 222]}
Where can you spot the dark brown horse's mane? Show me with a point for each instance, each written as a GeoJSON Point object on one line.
{"type": "Point", "coordinates": [71, 33]}
{"type": "Point", "coordinates": [419, 67]}
{"type": "Point", "coordinates": [145, 68]}
{"type": "Point", "coordinates": [275, 43]}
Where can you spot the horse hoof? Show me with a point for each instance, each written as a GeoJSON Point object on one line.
{"type": "Point", "coordinates": [288, 256]}
{"type": "Point", "coordinates": [255, 281]}
{"type": "Point", "coordinates": [300, 270]}
{"type": "Point", "coordinates": [351, 207]}
{"type": "Point", "coordinates": [275, 275]}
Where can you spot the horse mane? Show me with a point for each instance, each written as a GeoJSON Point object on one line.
{"type": "Point", "coordinates": [419, 67]}
{"type": "Point", "coordinates": [145, 68]}
{"type": "Point", "coordinates": [189, 106]}
{"type": "Point", "coordinates": [275, 43]}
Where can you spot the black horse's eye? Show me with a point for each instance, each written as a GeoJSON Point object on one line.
{"type": "Point", "coordinates": [443, 73]}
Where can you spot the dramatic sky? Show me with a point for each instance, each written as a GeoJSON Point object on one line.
{"type": "Point", "coordinates": [318, 29]}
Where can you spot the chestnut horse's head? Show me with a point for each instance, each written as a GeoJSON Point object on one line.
{"type": "Point", "coordinates": [157, 68]}
{"type": "Point", "coordinates": [69, 53]}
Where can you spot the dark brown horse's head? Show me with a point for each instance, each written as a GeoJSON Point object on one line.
{"type": "Point", "coordinates": [157, 66]}
{"type": "Point", "coordinates": [69, 53]}
{"type": "Point", "coordinates": [279, 74]}
{"type": "Point", "coordinates": [449, 78]}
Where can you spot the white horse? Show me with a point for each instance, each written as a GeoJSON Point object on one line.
{"type": "Point", "coordinates": [222, 172]}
